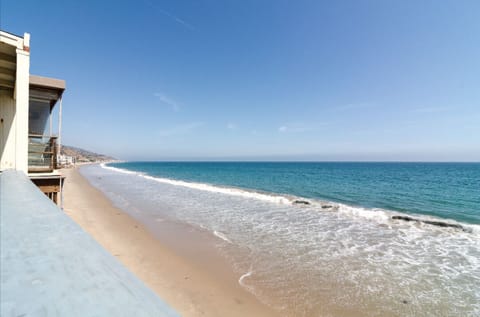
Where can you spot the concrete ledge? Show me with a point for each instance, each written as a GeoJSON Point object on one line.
{"type": "Point", "coordinates": [50, 267]}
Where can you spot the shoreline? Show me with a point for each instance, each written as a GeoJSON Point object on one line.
{"type": "Point", "coordinates": [294, 259]}
{"type": "Point", "coordinates": [325, 204]}
{"type": "Point", "coordinates": [178, 263]}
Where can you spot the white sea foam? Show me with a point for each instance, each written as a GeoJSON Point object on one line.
{"type": "Point", "coordinates": [244, 276]}
{"type": "Point", "coordinates": [221, 236]}
{"type": "Point", "coordinates": [210, 188]}
{"type": "Point", "coordinates": [373, 214]}
{"type": "Point", "coordinates": [121, 170]}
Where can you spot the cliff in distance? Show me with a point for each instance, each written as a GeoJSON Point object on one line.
{"type": "Point", "coordinates": [84, 156]}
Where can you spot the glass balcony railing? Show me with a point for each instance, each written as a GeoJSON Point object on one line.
{"type": "Point", "coordinates": [42, 152]}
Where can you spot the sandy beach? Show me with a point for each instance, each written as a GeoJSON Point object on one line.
{"type": "Point", "coordinates": [177, 263]}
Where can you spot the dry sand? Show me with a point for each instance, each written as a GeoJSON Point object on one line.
{"type": "Point", "coordinates": [189, 276]}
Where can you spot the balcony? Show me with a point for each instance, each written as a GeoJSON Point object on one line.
{"type": "Point", "coordinates": [42, 152]}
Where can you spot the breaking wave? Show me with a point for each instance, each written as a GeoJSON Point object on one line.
{"type": "Point", "coordinates": [375, 214]}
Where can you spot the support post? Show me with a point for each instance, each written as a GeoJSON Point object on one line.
{"type": "Point", "coordinates": [60, 128]}
{"type": "Point", "coordinates": [61, 192]}
{"type": "Point", "coordinates": [51, 124]}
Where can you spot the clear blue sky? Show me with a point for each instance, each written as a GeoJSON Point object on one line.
{"type": "Point", "coordinates": [293, 80]}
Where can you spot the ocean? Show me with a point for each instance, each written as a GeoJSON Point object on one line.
{"type": "Point", "coordinates": [329, 238]}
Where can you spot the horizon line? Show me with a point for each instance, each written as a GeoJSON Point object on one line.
{"type": "Point", "coordinates": [280, 161]}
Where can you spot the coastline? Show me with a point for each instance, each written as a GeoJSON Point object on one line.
{"type": "Point", "coordinates": [178, 264]}
{"type": "Point", "coordinates": [328, 263]}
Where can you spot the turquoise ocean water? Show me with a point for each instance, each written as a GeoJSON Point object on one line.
{"type": "Point", "coordinates": [324, 239]}
{"type": "Point", "coordinates": [445, 190]}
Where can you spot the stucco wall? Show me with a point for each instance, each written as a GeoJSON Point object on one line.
{"type": "Point", "coordinates": [22, 85]}
{"type": "Point", "coordinates": [14, 112]}
{"type": "Point", "coordinates": [7, 131]}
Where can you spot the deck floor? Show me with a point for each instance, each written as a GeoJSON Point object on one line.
{"type": "Point", "coordinates": [50, 267]}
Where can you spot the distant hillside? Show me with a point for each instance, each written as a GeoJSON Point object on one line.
{"type": "Point", "coordinates": [84, 156]}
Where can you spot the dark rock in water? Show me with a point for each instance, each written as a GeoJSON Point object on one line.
{"type": "Point", "coordinates": [431, 222]}
{"type": "Point", "coordinates": [405, 218]}
{"type": "Point", "coordinates": [404, 301]}
{"type": "Point", "coordinates": [326, 206]}
{"type": "Point", "coordinates": [443, 224]}
{"type": "Point", "coordinates": [301, 202]}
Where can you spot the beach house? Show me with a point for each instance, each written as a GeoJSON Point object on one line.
{"type": "Point", "coordinates": [27, 142]}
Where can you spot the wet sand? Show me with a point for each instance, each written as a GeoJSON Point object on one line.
{"type": "Point", "coordinates": [178, 263]}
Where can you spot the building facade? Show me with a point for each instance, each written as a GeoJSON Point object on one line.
{"type": "Point", "coordinates": [14, 100]}
{"type": "Point", "coordinates": [27, 142]}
